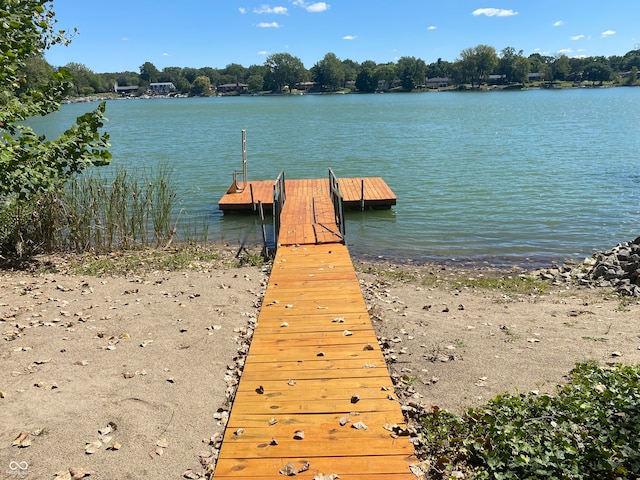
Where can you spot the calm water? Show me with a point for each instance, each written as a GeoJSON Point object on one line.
{"type": "Point", "coordinates": [506, 177]}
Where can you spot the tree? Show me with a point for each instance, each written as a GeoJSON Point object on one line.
{"type": "Point", "coordinates": [520, 69]}
{"type": "Point", "coordinates": [386, 73]}
{"type": "Point", "coordinates": [366, 81]}
{"type": "Point", "coordinates": [283, 70]}
{"type": "Point", "coordinates": [32, 166]}
{"type": "Point", "coordinates": [412, 72]}
{"type": "Point", "coordinates": [329, 72]}
{"type": "Point", "coordinates": [598, 71]}
{"type": "Point", "coordinates": [477, 63]}
{"type": "Point", "coordinates": [148, 72]}
{"type": "Point", "coordinates": [201, 87]}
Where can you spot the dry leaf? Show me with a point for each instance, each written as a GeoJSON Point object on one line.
{"type": "Point", "coordinates": [62, 475]}
{"type": "Point", "coordinates": [347, 333]}
{"type": "Point", "coordinates": [191, 475]}
{"type": "Point", "coordinates": [3, 394]}
{"type": "Point", "coordinates": [22, 440]}
{"type": "Point", "coordinates": [289, 469]}
{"type": "Point", "coordinates": [114, 446]}
{"type": "Point", "coordinates": [92, 447]}
{"type": "Point", "coordinates": [156, 452]}
{"type": "Point", "coordinates": [106, 430]}
{"type": "Point", "coordinates": [304, 467]}
{"type": "Point", "coordinates": [78, 473]}
{"type": "Point", "coordinates": [163, 443]}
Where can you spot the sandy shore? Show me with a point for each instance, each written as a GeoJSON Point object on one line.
{"type": "Point", "coordinates": [134, 368]}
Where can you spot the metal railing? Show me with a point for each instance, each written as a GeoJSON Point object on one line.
{"type": "Point", "coordinates": [236, 185]}
{"type": "Point", "coordinates": [336, 199]}
{"type": "Point", "coordinates": [279, 197]}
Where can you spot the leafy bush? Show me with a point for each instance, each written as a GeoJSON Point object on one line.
{"type": "Point", "coordinates": [589, 430]}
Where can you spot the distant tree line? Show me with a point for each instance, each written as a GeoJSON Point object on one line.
{"type": "Point", "coordinates": [282, 72]}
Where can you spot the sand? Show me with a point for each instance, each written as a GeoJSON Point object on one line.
{"type": "Point", "coordinates": [134, 368]}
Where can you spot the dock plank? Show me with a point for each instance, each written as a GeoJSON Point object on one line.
{"type": "Point", "coordinates": [322, 364]}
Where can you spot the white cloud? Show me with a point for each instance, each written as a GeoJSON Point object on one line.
{"type": "Point", "coordinates": [559, 23]}
{"type": "Point", "coordinates": [270, 10]}
{"type": "Point", "coordinates": [565, 51]}
{"type": "Point", "coordinates": [608, 33]}
{"type": "Point", "coordinates": [268, 25]}
{"type": "Point", "coordinates": [263, 52]}
{"type": "Point", "coordinates": [312, 7]}
{"type": "Point", "coordinates": [577, 37]}
{"type": "Point", "coordinates": [242, 10]}
{"type": "Point", "coordinates": [165, 54]}
{"type": "Point", "coordinates": [431, 27]}
{"type": "Point", "coordinates": [349, 37]}
{"type": "Point", "coordinates": [494, 12]}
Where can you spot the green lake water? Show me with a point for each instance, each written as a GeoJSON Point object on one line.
{"type": "Point", "coordinates": [503, 177]}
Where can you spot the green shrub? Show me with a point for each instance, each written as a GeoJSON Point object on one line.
{"type": "Point", "coordinates": [589, 430]}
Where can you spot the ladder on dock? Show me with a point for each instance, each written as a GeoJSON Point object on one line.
{"type": "Point", "coordinates": [315, 398]}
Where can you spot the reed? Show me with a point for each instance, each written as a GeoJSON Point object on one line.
{"type": "Point", "coordinates": [98, 212]}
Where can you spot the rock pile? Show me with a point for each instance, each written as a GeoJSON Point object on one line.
{"type": "Point", "coordinates": [618, 268]}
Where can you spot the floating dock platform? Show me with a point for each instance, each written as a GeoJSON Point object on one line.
{"type": "Point", "coordinates": [357, 193]}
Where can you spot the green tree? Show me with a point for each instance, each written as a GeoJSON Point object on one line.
{"type": "Point", "coordinates": [283, 69]}
{"type": "Point", "coordinates": [520, 69]}
{"type": "Point", "coordinates": [149, 73]}
{"type": "Point", "coordinates": [597, 71]}
{"type": "Point", "coordinates": [31, 166]}
{"type": "Point", "coordinates": [36, 72]}
{"type": "Point", "coordinates": [255, 83]}
{"type": "Point", "coordinates": [632, 78]}
{"type": "Point", "coordinates": [83, 80]}
{"type": "Point", "coordinates": [366, 81]}
{"type": "Point", "coordinates": [387, 73]}
{"type": "Point", "coordinates": [476, 64]}
{"type": "Point", "coordinates": [329, 72]}
{"type": "Point", "coordinates": [412, 72]}
{"type": "Point", "coordinates": [201, 87]}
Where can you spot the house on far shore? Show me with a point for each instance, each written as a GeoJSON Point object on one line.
{"type": "Point", "coordinates": [125, 89]}
{"type": "Point", "coordinates": [536, 77]}
{"type": "Point", "coordinates": [438, 82]}
{"type": "Point", "coordinates": [162, 88]}
{"type": "Point", "coordinates": [233, 87]}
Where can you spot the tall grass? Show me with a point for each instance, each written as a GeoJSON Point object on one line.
{"type": "Point", "coordinates": [124, 212]}
{"type": "Point", "coordinates": [97, 212]}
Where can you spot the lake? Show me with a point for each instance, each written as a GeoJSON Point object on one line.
{"type": "Point", "coordinates": [503, 177]}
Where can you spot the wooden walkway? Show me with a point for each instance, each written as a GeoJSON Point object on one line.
{"type": "Point", "coordinates": [315, 396]}
{"type": "Point", "coordinates": [372, 191]}
{"type": "Point", "coordinates": [315, 392]}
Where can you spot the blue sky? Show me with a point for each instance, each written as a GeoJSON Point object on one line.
{"type": "Point", "coordinates": [119, 35]}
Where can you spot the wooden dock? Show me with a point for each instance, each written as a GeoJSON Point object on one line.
{"type": "Point", "coordinates": [315, 393]}
{"type": "Point", "coordinates": [315, 398]}
{"type": "Point", "coordinates": [360, 192]}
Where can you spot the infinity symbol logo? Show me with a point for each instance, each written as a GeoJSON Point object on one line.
{"type": "Point", "coordinates": [13, 465]}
